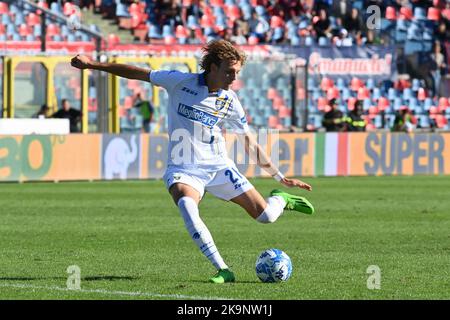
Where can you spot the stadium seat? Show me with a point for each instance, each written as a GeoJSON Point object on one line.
{"type": "Point", "coordinates": [391, 14]}
{"type": "Point", "coordinates": [4, 9]}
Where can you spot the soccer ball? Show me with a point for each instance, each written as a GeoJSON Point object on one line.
{"type": "Point", "coordinates": [273, 265]}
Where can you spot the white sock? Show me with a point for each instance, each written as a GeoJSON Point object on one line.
{"type": "Point", "coordinates": [274, 209]}
{"type": "Point", "coordinates": [199, 232]}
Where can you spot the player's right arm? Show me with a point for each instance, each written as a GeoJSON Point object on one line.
{"type": "Point", "coordinates": [121, 70]}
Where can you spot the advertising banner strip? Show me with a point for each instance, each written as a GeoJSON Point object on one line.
{"type": "Point", "coordinates": [320, 152]}
{"type": "Point", "coordinates": [342, 160]}
{"type": "Point", "coordinates": [331, 150]}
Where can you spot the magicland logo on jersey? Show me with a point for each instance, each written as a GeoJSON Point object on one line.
{"type": "Point", "coordinates": [197, 115]}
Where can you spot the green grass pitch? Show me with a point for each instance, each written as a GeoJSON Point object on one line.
{"type": "Point", "coordinates": [130, 242]}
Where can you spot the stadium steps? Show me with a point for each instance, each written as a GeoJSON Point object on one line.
{"type": "Point", "coordinates": [107, 26]}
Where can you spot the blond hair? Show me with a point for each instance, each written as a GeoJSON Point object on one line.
{"type": "Point", "coordinates": [220, 50]}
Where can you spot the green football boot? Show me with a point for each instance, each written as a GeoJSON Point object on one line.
{"type": "Point", "coordinates": [222, 276]}
{"type": "Point", "coordinates": [293, 202]}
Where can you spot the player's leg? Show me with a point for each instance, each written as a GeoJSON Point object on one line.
{"type": "Point", "coordinates": [262, 210]}
{"type": "Point", "coordinates": [270, 209]}
{"type": "Point", "coordinates": [187, 199]}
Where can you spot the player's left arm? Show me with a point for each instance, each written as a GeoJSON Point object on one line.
{"type": "Point", "coordinates": [258, 154]}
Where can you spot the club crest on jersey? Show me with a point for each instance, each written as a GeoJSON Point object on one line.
{"type": "Point", "coordinates": [222, 102]}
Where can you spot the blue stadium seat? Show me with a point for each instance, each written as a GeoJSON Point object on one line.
{"type": "Point", "coordinates": [340, 83]}
{"type": "Point", "coordinates": [122, 10]}
{"type": "Point", "coordinates": [415, 84]}
{"type": "Point", "coordinates": [153, 32]}
{"type": "Point", "coordinates": [428, 102]}
{"type": "Point", "coordinates": [295, 41]}
{"type": "Point", "coordinates": [309, 41]}
{"type": "Point", "coordinates": [392, 94]}
{"type": "Point", "coordinates": [376, 94]}
{"type": "Point", "coordinates": [378, 121]}
{"type": "Point", "coordinates": [424, 121]}
{"type": "Point", "coordinates": [323, 41]}
{"type": "Point", "coordinates": [192, 22]}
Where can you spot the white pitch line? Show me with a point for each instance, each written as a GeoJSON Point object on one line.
{"type": "Point", "coordinates": [116, 293]}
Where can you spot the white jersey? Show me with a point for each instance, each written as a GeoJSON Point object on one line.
{"type": "Point", "coordinates": [196, 118]}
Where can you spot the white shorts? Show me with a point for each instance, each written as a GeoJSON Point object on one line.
{"type": "Point", "coordinates": [225, 184]}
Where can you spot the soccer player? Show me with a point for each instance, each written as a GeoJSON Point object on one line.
{"type": "Point", "coordinates": [200, 104]}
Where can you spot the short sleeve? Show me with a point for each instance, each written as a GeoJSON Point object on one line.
{"type": "Point", "coordinates": [238, 119]}
{"type": "Point", "coordinates": [166, 79]}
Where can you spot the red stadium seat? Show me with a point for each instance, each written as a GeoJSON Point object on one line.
{"type": "Point", "coordinates": [113, 39]}
{"type": "Point", "coordinates": [42, 4]}
{"type": "Point", "coordinates": [284, 112]}
{"type": "Point", "coordinates": [233, 12]}
{"type": "Point", "coordinates": [272, 93]}
{"type": "Point", "coordinates": [446, 13]}
{"type": "Point", "coordinates": [128, 103]}
{"type": "Point", "coordinates": [406, 13]}
{"type": "Point", "coordinates": [216, 3]}
{"type": "Point", "coordinates": [383, 103]}
{"type": "Point", "coordinates": [253, 40]}
{"type": "Point", "coordinates": [181, 32]}
{"type": "Point", "coordinates": [68, 9]}
{"type": "Point", "coordinates": [33, 19]}
{"type": "Point", "coordinates": [433, 112]}
{"type": "Point", "coordinates": [301, 93]}
{"type": "Point", "coordinates": [207, 21]}
{"type": "Point", "coordinates": [356, 83]}
{"type": "Point", "coordinates": [332, 93]}
{"type": "Point", "coordinates": [2, 29]}
{"type": "Point", "coordinates": [351, 103]}
{"type": "Point", "coordinates": [326, 83]}
{"type": "Point", "coordinates": [4, 9]}
{"type": "Point", "coordinates": [52, 29]}
{"type": "Point", "coordinates": [273, 122]}
{"type": "Point", "coordinates": [443, 102]}
{"type": "Point", "coordinates": [170, 40]}
{"type": "Point", "coordinates": [373, 110]}
{"type": "Point", "coordinates": [421, 94]}
{"type": "Point", "coordinates": [136, 19]}
{"type": "Point", "coordinates": [363, 93]}
{"type": "Point", "coordinates": [278, 102]}
{"type": "Point", "coordinates": [391, 14]}
{"type": "Point", "coordinates": [441, 121]}
{"type": "Point", "coordinates": [433, 14]}
{"type": "Point", "coordinates": [322, 103]}
{"type": "Point", "coordinates": [134, 8]}
{"type": "Point", "coordinates": [276, 22]}
{"type": "Point", "coordinates": [24, 30]}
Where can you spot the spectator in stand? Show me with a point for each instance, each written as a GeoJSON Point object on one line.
{"type": "Point", "coordinates": [146, 110]}
{"type": "Point", "coordinates": [442, 32]}
{"type": "Point", "coordinates": [341, 8]}
{"type": "Point", "coordinates": [354, 24]}
{"type": "Point", "coordinates": [354, 120]}
{"type": "Point", "coordinates": [322, 25]}
{"type": "Point", "coordinates": [404, 120]}
{"type": "Point", "coordinates": [42, 113]}
{"type": "Point", "coordinates": [66, 112]}
{"type": "Point", "coordinates": [333, 120]}
{"type": "Point", "coordinates": [238, 37]}
{"type": "Point", "coordinates": [260, 27]}
{"type": "Point", "coordinates": [438, 67]}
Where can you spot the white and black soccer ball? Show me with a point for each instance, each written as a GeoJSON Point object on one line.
{"type": "Point", "coordinates": [273, 265]}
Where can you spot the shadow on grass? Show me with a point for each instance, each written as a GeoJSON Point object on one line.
{"type": "Point", "coordinates": [87, 278]}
